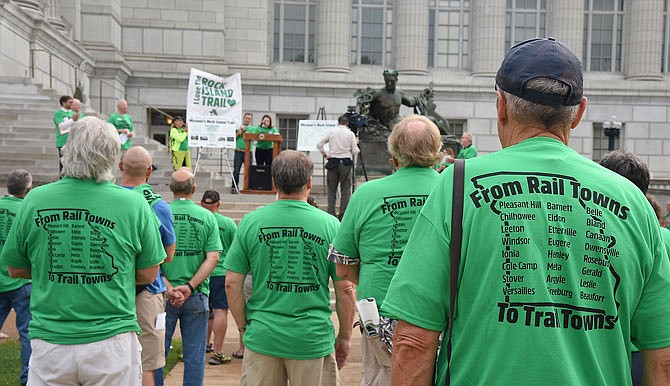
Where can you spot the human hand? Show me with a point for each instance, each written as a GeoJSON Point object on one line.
{"type": "Point", "coordinates": [175, 298]}
{"type": "Point", "coordinates": [130, 134]}
{"type": "Point", "coordinates": [342, 349]}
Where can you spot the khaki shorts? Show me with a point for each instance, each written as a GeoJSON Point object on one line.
{"type": "Point", "coordinates": [112, 361]}
{"type": "Point", "coordinates": [149, 306]}
{"type": "Point", "coordinates": [264, 370]}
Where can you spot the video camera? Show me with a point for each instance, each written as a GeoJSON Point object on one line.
{"type": "Point", "coordinates": [356, 120]}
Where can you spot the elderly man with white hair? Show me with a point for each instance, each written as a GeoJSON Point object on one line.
{"type": "Point", "coordinates": [85, 243]}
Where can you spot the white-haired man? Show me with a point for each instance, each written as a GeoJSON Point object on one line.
{"type": "Point", "coordinates": [85, 243]}
{"type": "Point", "coordinates": [374, 231]}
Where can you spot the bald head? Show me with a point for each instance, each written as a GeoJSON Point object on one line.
{"type": "Point", "coordinates": [415, 141]}
{"type": "Point", "coordinates": [183, 183]}
{"type": "Point", "coordinates": [136, 162]}
{"type": "Point", "coordinates": [122, 106]}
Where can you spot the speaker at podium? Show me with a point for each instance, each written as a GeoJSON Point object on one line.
{"type": "Point", "coordinates": [260, 177]}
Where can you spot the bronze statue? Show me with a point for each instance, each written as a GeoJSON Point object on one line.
{"type": "Point", "coordinates": [426, 107]}
{"type": "Point", "coordinates": [382, 107]}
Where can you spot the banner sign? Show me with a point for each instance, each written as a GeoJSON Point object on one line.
{"type": "Point", "coordinates": [311, 132]}
{"type": "Point", "coordinates": [213, 109]}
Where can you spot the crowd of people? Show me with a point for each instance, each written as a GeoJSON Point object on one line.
{"type": "Point", "coordinates": [531, 265]}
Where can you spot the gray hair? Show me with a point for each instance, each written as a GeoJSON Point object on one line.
{"type": "Point", "coordinates": [91, 150]}
{"type": "Point", "coordinates": [19, 182]}
{"type": "Point", "coordinates": [415, 141]}
{"type": "Point", "coordinates": [182, 181]}
{"type": "Point", "coordinates": [547, 117]}
{"type": "Point", "coordinates": [291, 171]}
{"type": "Point", "coordinates": [628, 165]}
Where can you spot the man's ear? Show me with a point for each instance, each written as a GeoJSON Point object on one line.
{"type": "Point", "coordinates": [121, 165]}
{"type": "Point", "coordinates": [501, 106]}
{"type": "Point", "coordinates": [582, 109]}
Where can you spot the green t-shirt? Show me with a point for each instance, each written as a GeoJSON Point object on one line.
{"type": "Point", "coordinates": [377, 224]}
{"type": "Point", "coordinates": [285, 245]}
{"type": "Point", "coordinates": [59, 117]}
{"type": "Point", "coordinates": [123, 122]}
{"type": "Point", "coordinates": [239, 140]}
{"type": "Point", "coordinates": [227, 228]}
{"type": "Point", "coordinates": [467, 152]}
{"type": "Point", "coordinates": [197, 233]}
{"type": "Point", "coordinates": [562, 266]}
{"type": "Point", "coordinates": [83, 242]}
{"type": "Point", "coordinates": [262, 130]}
{"type": "Point", "coordinates": [9, 206]}
{"type": "Point", "coordinates": [178, 139]}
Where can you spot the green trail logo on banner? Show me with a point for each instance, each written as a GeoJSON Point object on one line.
{"type": "Point", "coordinates": [211, 93]}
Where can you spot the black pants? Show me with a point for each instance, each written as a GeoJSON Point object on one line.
{"type": "Point", "coordinates": [263, 156]}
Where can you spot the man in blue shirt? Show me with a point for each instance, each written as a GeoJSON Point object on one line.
{"type": "Point", "coordinates": [136, 167]}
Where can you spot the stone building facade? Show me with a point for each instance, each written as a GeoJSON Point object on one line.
{"type": "Point", "coordinates": [296, 56]}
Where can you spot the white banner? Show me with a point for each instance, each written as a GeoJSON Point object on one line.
{"type": "Point", "coordinates": [311, 132]}
{"type": "Point", "coordinates": [213, 109]}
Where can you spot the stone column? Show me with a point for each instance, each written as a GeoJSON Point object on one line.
{"type": "Point", "coordinates": [53, 15]}
{"type": "Point", "coordinates": [32, 6]}
{"type": "Point", "coordinates": [410, 19]}
{"type": "Point", "coordinates": [333, 23]}
{"type": "Point", "coordinates": [565, 22]}
{"type": "Point", "coordinates": [643, 24]}
{"type": "Point", "coordinates": [487, 32]}
{"type": "Point", "coordinates": [71, 11]}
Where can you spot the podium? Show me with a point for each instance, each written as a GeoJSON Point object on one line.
{"type": "Point", "coordinates": [248, 168]}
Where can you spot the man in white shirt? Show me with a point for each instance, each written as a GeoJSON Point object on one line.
{"type": "Point", "coordinates": [342, 147]}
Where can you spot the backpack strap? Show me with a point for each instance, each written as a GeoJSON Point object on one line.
{"type": "Point", "coordinates": [455, 250]}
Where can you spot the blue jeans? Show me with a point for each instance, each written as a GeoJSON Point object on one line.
{"type": "Point", "coordinates": [237, 166]}
{"type": "Point", "coordinates": [19, 299]}
{"type": "Point", "coordinates": [192, 318]}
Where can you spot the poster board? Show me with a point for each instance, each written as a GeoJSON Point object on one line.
{"type": "Point", "coordinates": [213, 109]}
{"type": "Point", "coordinates": [310, 132]}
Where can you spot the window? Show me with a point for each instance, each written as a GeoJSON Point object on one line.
{"type": "Point", "coordinates": [458, 127]}
{"type": "Point", "coordinates": [371, 35]}
{"type": "Point", "coordinates": [525, 19]}
{"type": "Point", "coordinates": [448, 36]}
{"type": "Point", "coordinates": [288, 128]}
{"type": "Point", "coordinates": [294, 25]}
{"type": "Point", "coordinates": [601, 141]}
{"type": "Point", "coordinates": [603, 35]}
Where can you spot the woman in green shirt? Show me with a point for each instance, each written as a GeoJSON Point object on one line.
{"type": "Point", "coordinates": [264, 148]}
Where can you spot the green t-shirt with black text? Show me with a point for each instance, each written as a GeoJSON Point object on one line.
{"type": "Point", "coordinates": [285, 245]}
{"type": "Point", "coordinates": [83, 242]}
{"type": "Point", "coordinates": [562, 266]}
{"type": "Point", "coordinates": [227, 229]}
{"type": "Point", "coordinates": [9, 206]}
{"type": "Point", "coordinates": [197, 233]}
{"type": "Point", "coordinates": [377, 224]}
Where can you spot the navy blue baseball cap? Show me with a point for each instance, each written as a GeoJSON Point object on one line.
{"type": "Point", "coordinates": [541, 58]}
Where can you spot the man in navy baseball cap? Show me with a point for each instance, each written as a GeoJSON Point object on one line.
{"type": "Point", "coordinates": [541, 58]}
{"type": "Point", "coordinates": [557, 214]}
